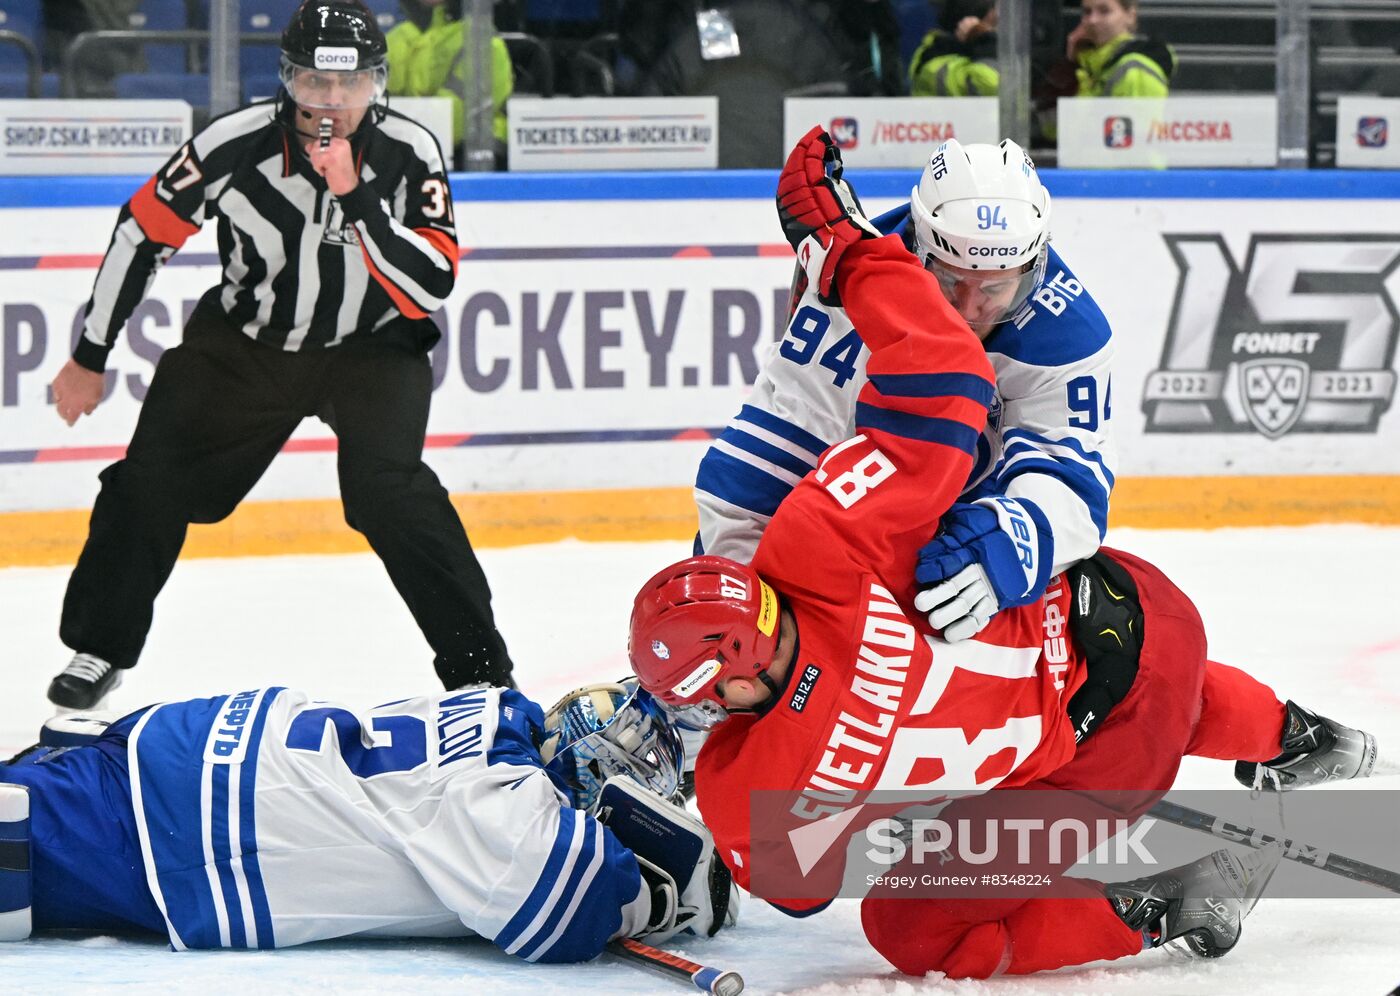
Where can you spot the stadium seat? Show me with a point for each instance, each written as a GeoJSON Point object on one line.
{"type": "Point", "coordinates": [163, 15]}
{"type": "Point", "coordinates": [25, 19]}
{"type": "Point", "coordinates": [262, 16]}
{"type": "Point", "coordinates": [191, 87]}
{"type": "Point", "coordinates": [260, 86]}
{"type": "Point", "coordinates": [19, 65]}
{"type": "Point", "coordinates": [533, 64]}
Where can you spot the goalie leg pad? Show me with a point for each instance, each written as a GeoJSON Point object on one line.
{"type": "Point", "coordinates": [691, 888]}
{"type": "Point", "coordinates": [16, 885]}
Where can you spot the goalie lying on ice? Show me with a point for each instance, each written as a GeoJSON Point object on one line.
{"type": "Point", "coordinates": [265, 819]}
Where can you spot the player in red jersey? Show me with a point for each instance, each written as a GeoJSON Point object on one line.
{"type": "Point", "coordinates": [821, 677]}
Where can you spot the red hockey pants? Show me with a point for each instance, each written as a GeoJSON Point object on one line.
{"type": "Point", "coordinates": [1181, 703]}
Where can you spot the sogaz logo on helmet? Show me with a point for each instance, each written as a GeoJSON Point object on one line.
{"type": "Point", "coordinates": [993, 250]}
{"type": "Point", "coordinates": [337, 57]}
{"type": "Point", "coordinates": [1298, 339]}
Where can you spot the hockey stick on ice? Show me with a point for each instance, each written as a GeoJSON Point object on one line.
{"type": "Point", "coordinates": [707, 980]}
{"type": "Point", "coordinates": [1293, 850]}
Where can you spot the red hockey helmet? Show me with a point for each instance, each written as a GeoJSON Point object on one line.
{"type": "Point", "coordinates": [695, 624]}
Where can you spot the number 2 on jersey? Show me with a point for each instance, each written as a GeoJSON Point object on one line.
{"type": "Point", "coordinates": [804, 336]}
{"type": "Point", "coordinates": [407, 747]}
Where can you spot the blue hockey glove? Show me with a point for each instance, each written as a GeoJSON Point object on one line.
{"type": "Point", "coordinates": [992, 554]}
{"type": "Point", "coordinates": [691, 889]}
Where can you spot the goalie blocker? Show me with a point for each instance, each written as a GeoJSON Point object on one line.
{"type": "Point", "coordinates": [691, 889]}
{"type": "Point", "coordinates": [15, 887]}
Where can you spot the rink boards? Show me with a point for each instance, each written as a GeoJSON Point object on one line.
{"type": "Point", "coordinates": [606, 326]}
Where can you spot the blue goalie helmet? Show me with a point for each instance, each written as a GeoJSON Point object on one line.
{"type": "Point", "coordinates": [611, 729]}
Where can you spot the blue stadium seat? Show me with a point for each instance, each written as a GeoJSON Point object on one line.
{"type": "Point", "coordinates": [163, 15]}
{"type": "Point", "coordinates": [262, 16]}
{"type": "Point", "coordinates": [24, 17]}
{"type": "Point", "coordinates": [260, 86]}
{"type": "Point", "coordinates": [191, 87]}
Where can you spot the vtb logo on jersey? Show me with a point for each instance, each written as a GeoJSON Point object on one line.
{"type": "Point", "coordinates": [1299, 339]}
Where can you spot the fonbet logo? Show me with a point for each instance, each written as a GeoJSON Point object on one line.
{"type": "Point", "coordinates": [845, 132]}
{"type": "Point", "coordinates": [1372, 133]}
{"type": "Point", "coordinates": [1118, 132]}
{"type": "Point", "coordinates": [332, 57]}
{"type": "Point", "coordinates": [1298, 339]}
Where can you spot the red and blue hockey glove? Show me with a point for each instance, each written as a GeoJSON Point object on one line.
{"type": "Point", "coordinates": [819, 211]}
{"type": "Point", "coordinates": [992, 554]}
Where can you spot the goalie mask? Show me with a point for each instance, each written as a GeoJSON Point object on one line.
{"type": "Point", "coordinates": [334, 57]}
{"type": "Point", "coordinates": [981, 223]}
{"type": "Point", "coordinates": [697, 623]}
{"type": "Point", "coordinates": [603, 730]}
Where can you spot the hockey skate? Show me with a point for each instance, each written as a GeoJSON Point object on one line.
{"type": "Point", "coordinates": [1315, 750]}
{"type": "Point", "coordinates": [84, 683]}
{"type": "Point", "coordinates": [1200, 905]}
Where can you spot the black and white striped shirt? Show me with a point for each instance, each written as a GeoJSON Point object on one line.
{"type": "Point", "coordinates": [302, 269]}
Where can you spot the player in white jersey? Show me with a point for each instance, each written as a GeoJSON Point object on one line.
{"type": "Point", "coordinates": [264, 819]}
{"type": "Point", "coordinates": [1037, 498]}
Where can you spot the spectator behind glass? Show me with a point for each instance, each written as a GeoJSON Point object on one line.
{"type": "Point", "coordinates": [1111, 59]}
{"type": "Point", "coordinates": [958, 58]}
{"type": "Point", "coordinates": [786, 48]}
{"type": "Point", "coordinates": [66, 19]}
{"type": "Point", "coordinates": [426, 59]}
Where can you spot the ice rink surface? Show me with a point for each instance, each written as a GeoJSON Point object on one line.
{"type": "Point", "coordinates": [1313, 611]}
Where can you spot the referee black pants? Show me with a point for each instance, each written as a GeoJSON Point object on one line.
{"type": "Point", "coordinates": [219, 408]}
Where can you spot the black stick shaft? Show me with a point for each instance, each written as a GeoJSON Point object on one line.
{"type": "Point", "coordinates": [1293, 850]}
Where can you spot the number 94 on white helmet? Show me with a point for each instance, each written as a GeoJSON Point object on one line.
{"type": "Point", "coordinates": [981, 221]}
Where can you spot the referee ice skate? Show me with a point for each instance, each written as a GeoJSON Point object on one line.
{"type": "Point", "coordinates": [333, 258]}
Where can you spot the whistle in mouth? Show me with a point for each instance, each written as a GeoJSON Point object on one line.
{"type": "Point", "coordinates": [325, 132]}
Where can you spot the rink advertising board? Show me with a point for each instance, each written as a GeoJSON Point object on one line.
{"type": "Point", "coordinates": [588, 347]}
{"type": "Point", "coordinates": [596, 133]}
{"type": "Point", "coordinates": [881, 132]}
{"type": "Point", "coordinates": [39, 137]}
{"type": "Point", "coordinates": [1197, 131]}
{"type": "Point", "coordinates": [1366, 135]}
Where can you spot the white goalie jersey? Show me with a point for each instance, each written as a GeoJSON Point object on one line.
{"type": "Point", "coordinates": [1047, 437]}
{"type": "Point", "coordinates": [267, 820]}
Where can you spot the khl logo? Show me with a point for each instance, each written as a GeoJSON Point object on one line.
{"type": "Point", "coordinates": [1300, 339]}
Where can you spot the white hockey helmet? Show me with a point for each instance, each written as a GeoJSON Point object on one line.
{"type": "Point", "coordinates": [982, 225]}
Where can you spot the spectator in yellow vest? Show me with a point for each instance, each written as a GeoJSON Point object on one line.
{"type": "Point", "coordinates": [426, 59]}
{"type": "Point", "coordinates": [1112, 59]}
{"type": "Point", "coordinates": [958, 58]}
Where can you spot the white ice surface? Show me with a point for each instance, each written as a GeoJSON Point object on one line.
{"type": "Point", "coordinates": [1313, 611]}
